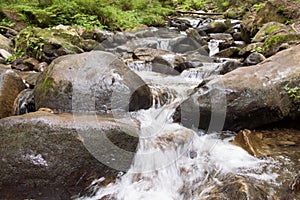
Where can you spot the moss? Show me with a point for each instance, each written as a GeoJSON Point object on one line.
{"type": "Point", "coordinates": [46, 84]}
{"type": "Point", "coordinates": [271, 29]}
{"type": "Point", "coordinates": [277, 40]}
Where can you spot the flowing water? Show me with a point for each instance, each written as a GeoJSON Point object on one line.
{"type": "Point", "coordinates": [176, 163]}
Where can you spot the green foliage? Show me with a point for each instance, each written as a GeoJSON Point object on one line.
{"type": "Point", "coordinates": [7, 23]}
{"type": "Point", "coordinates": [257, 49]}
{"type": "Point", "coordinates": [189, 4]}
{"type": "Point", "coordinates": [294, 95]}
{"type": "Point", "coordinates": [112, 14]}
{"type": "Point", "coordinates": [258, 6]}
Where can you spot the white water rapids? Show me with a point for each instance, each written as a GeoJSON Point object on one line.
{"type": "Point", "coordinates": [173, 162]}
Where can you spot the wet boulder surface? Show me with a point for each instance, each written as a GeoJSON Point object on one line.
{"type": "Point", "coordinates": [91, 82]}
{"type": "Point", "coordinates": [51, 156]}
{"type": "Point", "coordinates": [248, 97]}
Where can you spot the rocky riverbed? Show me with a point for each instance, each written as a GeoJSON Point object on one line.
{"type": "Point", "coordinates": [78, 107]}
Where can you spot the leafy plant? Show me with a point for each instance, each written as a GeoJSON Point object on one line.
{"type": "Point", "coordinates": [7, 23]}
{"type": "Point", "coordinates": [294, 95]}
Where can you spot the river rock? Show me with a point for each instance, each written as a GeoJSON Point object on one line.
{"type": "Point", "coordinates": [251, 142]}
{"type": "Point", "coordinates": [228, 66]}
{"type": "Point", "coordinates": [230, 52]}
{"type": "Point", "coordinates": [268, 29]}
{"type": "Point", "coordinates": [254, 58]}
{"type": "Point", "coordinates": [25, 64]}
{"type": "Point", "coordinates": [5, 43]}
{"type": "Point", "coordinates": [216, 26]}
{"type": "Point", "coordinates": [10, 86]}
{"type": "Point", "coordinates": [56, 156]}
{"type": "Point", "coordinates": [91, 82]}
{"type": "Point", "coordinates": [237, 187]}
{"type": "Point", "coordinates": [225, 40]}
{"type": "Point", "coordinates": [247, 97]}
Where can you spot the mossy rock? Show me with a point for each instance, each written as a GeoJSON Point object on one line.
{"type": "Point", "coordinates": [272, 11]}
{"type": "Point", "coordinates": [48, 44]}
{"type": "Point", "coordinates": [274, 43]}
{"type": "Point", "coordinates": [268, 29]}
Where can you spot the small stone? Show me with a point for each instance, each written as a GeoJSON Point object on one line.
{"type": "Point", "coordinates": [254, 58]}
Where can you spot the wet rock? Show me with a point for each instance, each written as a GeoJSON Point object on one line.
{"type": "Point", "coordinates": [254, 58]}
{"type": "Point", "coordinates": [24, 103]}
{"type": "Point", "coordinates": [183, 66]}
{"type": "Point", "coordinates": [10, 86]}
{"type": "Point", "coordinates": [91, 82]}
{"type": "Point", "coordinates": [237, 36]}
{"type": "Point", "coordinates": [148, 54]}
{"type": "Point", "coordinates": [230, 52]}
{"type": "Point", "coordinates": [236, 188]}
{"type": "Point", "coordinates": [183, 45]}
{"type": "Point", "coordinates": [181, 24]}
{"type": "Point", "coordinates": [194, 34]}
{"type": "Point", "coordinates": [252, 143]}
{"type": "Point", "coordinates": [198, 57]}
{"type": "Point", "coordinates": [225, 39]}
{"type": "Point", "coordinates": [228, 66]}
{"type": "Point", "coordinates": [216, 27]}
{"type": "Point", "coordinates": [247, 97]}
{"type": "Point", "coordinates": [251, 48]}
{"type": "Point", "coordinates": [161, 65]}
{"type": "Point", "coordinates": [56, 156]}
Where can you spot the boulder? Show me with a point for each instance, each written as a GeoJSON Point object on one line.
{"type": "Point", "coordinates": [11, 85]}
{"type": "Point", "coordinates": [91, 82]}
{"type": "Point", "coordinates": [225, 40]}
{"type": "Point", "coordinates": [248, 97]}
{"type": "Point", "coordinates": [216, 26]}
{"type": "Point", "coordinates": [230, 52]}
{"type": "Point", "coordinates": [56, 156]}
{"type": "Point", "coordinates": [268, 29]}
{"type": "Point", "coordinates": [228, 66]}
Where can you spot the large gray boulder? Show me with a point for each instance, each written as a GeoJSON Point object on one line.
{"type": "Point", "coordinates": [248, 97]}
{"type": "Point", "coordinates": [56, 156]}
{"type": "Point", "coordinates": [91, 82]}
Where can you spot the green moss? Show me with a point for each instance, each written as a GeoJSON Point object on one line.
{"type": "Point", "coordinates": [277, 40]}
{"type": "Point", "coordinates": [46, 85]}
{"type": "Point", "coordinates": [271, 29]}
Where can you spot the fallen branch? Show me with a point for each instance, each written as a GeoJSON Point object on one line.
{"type": "Point", "coordinates": [197, 12]}
{"type": "Point", "coordinates": [12, 31]}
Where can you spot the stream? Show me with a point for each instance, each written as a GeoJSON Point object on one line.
{"type": "Point", "coordinates": [176, 163]}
